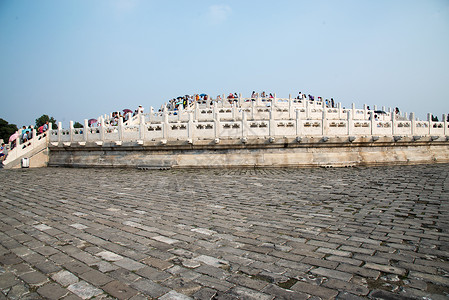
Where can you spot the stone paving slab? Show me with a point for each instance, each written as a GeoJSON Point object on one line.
{"type": "Point", "coordinates": [352, 233]}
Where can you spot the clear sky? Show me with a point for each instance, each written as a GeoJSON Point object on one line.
{"type": "Point", "coordinates": [78, 59]}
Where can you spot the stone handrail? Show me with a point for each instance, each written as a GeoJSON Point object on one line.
{"type": "Point", "coordinates": [38, 141]}
{"type": "Point", "coordinates": [283, 118]}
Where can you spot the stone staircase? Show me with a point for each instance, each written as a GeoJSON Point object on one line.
{"type": "Point", "coordinates": [36, 150]}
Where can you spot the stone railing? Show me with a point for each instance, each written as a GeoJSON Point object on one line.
{"type": "Point", "coordinates": [245, 119]}
{"type": "Point", "coordinates": [24, 149]}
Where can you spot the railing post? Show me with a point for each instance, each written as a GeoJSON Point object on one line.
{"type": "Point", "coordinates": [393, 124]}
{"type": "Point", "coordinates": [413, 124]}
{"type": "Point", "coordinates": [234, 112]}
{"type": "Point", "coordinates": [272, 128]}
{"type": "Point", "coordinates": [353, 111]}
{"type": "Point", "coordinates": [142, 127]}
{"type": "Point", "coordinates": [444, 124]}
{"type": "Point", "coordinates": [253, 109]}
{"type": "Point", "coordinates": [197, 111]}
{"type": "Point", "coordinates": [240, 99]}
{"type": "Point", "coordinates": [120, 129]}
{"type": "Point", "coordinates": [165, 122]}
{"type": "Point", "coordinates": [429, 120]}
{"type": "Point", "coordinates": [371, 117]}
{"type": "Point", "coordinates": [190, 126]}
{"type": "Point", "coordinates": [307, 109]}
{"type": "Point", "coordinates": [244, 124]}
{"type": "Point", "coordinates": [151, 116]}
{"type": "Point", "coordinates": [298, 123]}
{"type": "Point", "coordinates": [102, 129]}
{"type": "Point", "coordinates": [217, 125]}
{"type": "Point", "coordinates": [350, 122]}
{"type": "Point", "coordinates": [339, 111]}
{"type": "Point", "coordinates": [324, 123]}
{"type": "Point", "coordinates": [85, 130]}
{"type": "Point", "coordinates": [59, 131]}
{"type": "Point", "coordinates": [71, 130]}
{"type": "Point", "coordinates": [290, 107]}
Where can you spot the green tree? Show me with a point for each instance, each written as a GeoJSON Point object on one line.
{"type": "Point", "coordinates": [6, 130]}
{"type": "Point", "coordinates": [77, 125]}
{"type": "Point", "coordinates": [43, 119]}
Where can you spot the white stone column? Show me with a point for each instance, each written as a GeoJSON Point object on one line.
{"type": "Point", "coordinates": [372, 121]}
{"type": "Point", "coordinates": [151, 116]}
{"type": "Point", "coordinates": [71, 130]}
{"type": "Point", "coordinates": [216, 125]}
{"type": "Point", "coordinates": [245, 124]}
{"type": "Point", "coordinates": [234, 112]}
{"type": "Point", "coordinates": [340, 113]}
{"type": "Point", "coordinates": [412, 124]}
{"type": "Point", "coordinates": [190, 126]}
{"type": "Point", "coordinates": [445, 124]}
{"type": "Point", "coordinates": [197, 111]}
{"type": "Point", "coordinates": [142, 127]}
{"type": "Point", "coordinates": [120, 129]}
{"type": "Point", "coordinates": [299, 127]}
{"type": "Point", "coordinates": [350, 123]}
{"type": "Point", "coordinates": [272, 125]}
{"type": "Point", "coordinates": [102, 129]}
{"type": "Point", "coordinates": [353, 111]}
{"type": "Point", "coordinates": [393, 124]}
{"type": "Point", "coordinates": [85, 130]}
{"type": "Point", "coordinates": [290, 107]}
{"type": "Point", "coordinates": [165, 123]}
{"type": "Point", "coordinates": [307, 109]}
{"type": "Point", "coordinates": [240, 100]}
{"type": "Point", "coordinates": [59, 132]}
{"type": "Point", "coordinates": [429, 120]}
{"type": "Point", "coordinates": [253, 109]}
{"type": "Point", "coordinates": [324, 123]}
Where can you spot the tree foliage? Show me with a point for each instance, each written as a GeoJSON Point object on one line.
{"type": "Point", "coordinates": [43, 119]}
{"type": "Point", "coordinates": [77, 125]}
{"type": "Point", "coordinates": [6, 130]}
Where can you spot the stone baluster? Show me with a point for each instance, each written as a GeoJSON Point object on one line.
{"type": "Point", "coordinates": [59, 132]}
{"type": "Point", "coordinates": [272, 125]}
{"type": "Point", "coordinates": [245, 125]}
{"type": "Point", "coordinates": [234, 112]}
{"type": "Point", "coordinates": [429, 120]}
{"type": "Point", "coordinates": [445, 132]}
{"type": "Point", "coordinates": [197, 111]}
{"type": "Point", "coordinates": [324, 121]}
{"type": "Point", "coordinates": [394, 124]}
{"type": "Point", "coordinates": [120, 129]}
{"type": "Point", "coordinates": [101, 129]}
{"type": "Point", "coordinates": [151, 116]}
{"type": "Point", "coordinates": [372, 123]}
{"type": "Point", "coordinates": [350, 123]}
{"type": "Point", "coordinates": [253, 109]}
{"type": "Point", "coordinates": [340, 112]}
{"type": "Point", "coordinates": [413, 124]}
{"type": "Point", "coordinates": [290, 107]}
{"type": "Point", "coordinates": [240, 100]}
{"type": "Point", "coordinates": [353, 112]}
{"type": "Point", "coordinates": [141, 127]}
{"type": "Point", "coordinates": [365, 112]}
{"type": "Point", "coordinates": [299, 127]}
{"type": "Point", "coordinates": [71, 130]}
{"type": "Point", "coordinates": [217, 125]}
{"type": "Point", "coordinates": [190, 125]}
{"type": "Point", "coordinates": [85, 130]}
{"type": "Point", "coordinates": [307, 109]}
{"type": "Point", "coordinates": [165, 122]}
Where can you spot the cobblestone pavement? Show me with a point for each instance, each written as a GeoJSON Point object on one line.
{"type": "Point", "coordinates": [377, 233]}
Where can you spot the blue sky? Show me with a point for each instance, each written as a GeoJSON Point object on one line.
{"type": "Point", "coordinates": [78, 59]}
